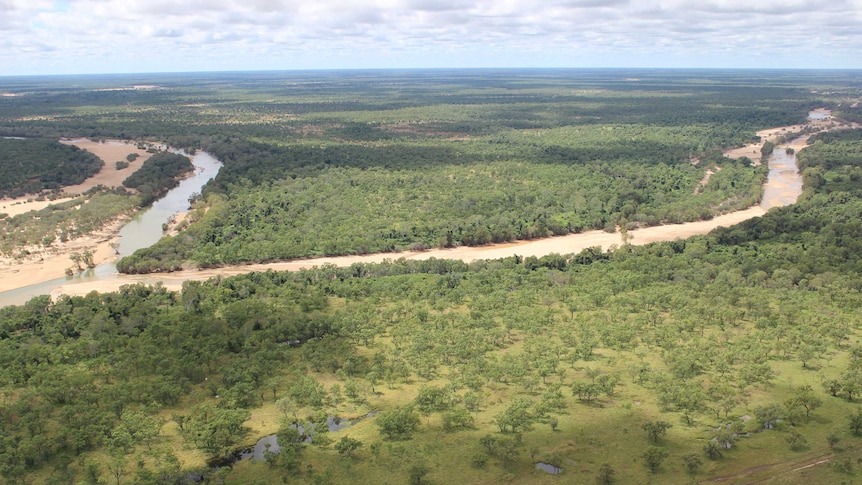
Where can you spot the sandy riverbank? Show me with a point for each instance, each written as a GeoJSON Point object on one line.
{"type": "Point", "coordinates": [45, 264]}
{"type": "Point", "coordinates": [110, 152]}
{"type": "Point", "coordinates": [37, 271]}
{"type": "Point", "coordinates": [572, 243]}
{"type": "Point", "coordinates": [108, 176]}
{"type": "Point", "coordinates": [51, 263]}
{"type": "Point", "coordinates": [827, 123]}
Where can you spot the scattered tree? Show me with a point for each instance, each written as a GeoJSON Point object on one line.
{"type": "Point", "coordinates": [347, 445]}
{"type": "Point", "coordinates": [605, 475]}
{"type": "Point", "coordinates": [653, 458]}
{"type": "Point", "coordinates": [805, 398]}
{"type": "Point", "coordinates": [417, 472]}
{"type": "Point", "coordinates": [692, 463]}
{"type": "Point", "coordinates": [399, 423]}
{"type": "Point", "coordinates": [656, 429]}
{"type": "Point", "coordinates": [855, 422]}
{"type": "Point", "coordinates": [796, 440]}
{"type": "Point", "coordinates": [832, 439]}
{"type": "Point", "coordinates": [712, 450]}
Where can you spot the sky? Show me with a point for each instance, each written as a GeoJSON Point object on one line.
{"type": "Point", "coordinates": [130, 36]}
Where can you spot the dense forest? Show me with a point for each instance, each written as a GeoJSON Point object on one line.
{"type": "Point", "coordinates": [34, 166]}
{"type": "Point", "coordinates": [159, 173]}
{"type": "Point", "coordinates": [735, 354]}
{"type": "Point", "coordinates": [354, 211]}
{"type": "Point", "coordinates": [361, 164]}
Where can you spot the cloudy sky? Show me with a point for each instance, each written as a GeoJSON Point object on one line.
{"type": "Point", "coordinates": [102, 36]}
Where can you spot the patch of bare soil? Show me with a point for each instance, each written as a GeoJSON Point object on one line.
{"type": "Point", "coordinates": [764, 473]}
{"type": "Point", "coordinates": [22, 205]}
{"type": "Point", "coordinates": [110, 152]}
{"type": "Point", "coordinates": [705, 180]}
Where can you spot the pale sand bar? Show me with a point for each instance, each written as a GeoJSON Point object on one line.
{"type": "Point", "coordinates": [46, 264]}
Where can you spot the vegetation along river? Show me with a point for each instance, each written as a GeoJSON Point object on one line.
{"type": "Point", "coordinates": [783, 187]}
{"type": "Point", "coordinates": [142, 231]}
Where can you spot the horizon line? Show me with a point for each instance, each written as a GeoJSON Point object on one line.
{"type": "Point", "coordinates": [420, 69]}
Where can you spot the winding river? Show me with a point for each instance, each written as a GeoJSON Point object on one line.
{"type": "Point", "coordinates": [141, 232]}
{"type": "Point", "coordinates": [783, 187]}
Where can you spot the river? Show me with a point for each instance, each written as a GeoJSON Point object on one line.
{"type": "Point", "coordinates": [783, 187]}
{"type": "Point", "coordinates": [784, 182]}
{"type": "Point", "coordinates": [141, 232]}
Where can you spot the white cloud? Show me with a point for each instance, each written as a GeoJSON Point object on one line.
{"type": "Point", "coordinates": [159, 35]}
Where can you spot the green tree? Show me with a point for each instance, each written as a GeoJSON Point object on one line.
{"type": "Point", "coordinates": [457, 418]}
{"type": "Point", "coordinates": [517, 417]}
{"type": "Point", "coordinates": [832, 386]}
{"type": "Point", "coordinates": [347, 445]}
{"type": "Point", "coordinates": [712, 450]}
{"type": "Point", "coordinates": [507, 449]}
{"type": "Point", "coordinates": [605, 475]}
{"type": "Point", "coordinates": [375, 450]}
{"type": "Point", "coordinates": [855, 422]}
{"type": "Point", "coordinates": [504, 448]}
{"type": "Point", "coordinates": [318, 429]}
{"type": "Point", "coordinates": [555, 460]}
{"type": "Point", "coordinates": [653, 458]}
{"type": "Point", "coordinates": [586, 391]}
{"type": "Point", "coordinates": [216, 430]}
{"type": "Point", "coordinates": [77, 258]}
{"type": "Point", "coordinates": [767, 148]}
{"type": "Point", "coordinates": [796, 440]}
{"type": "Point", "coordinates": [851, 380]}
{"type": "Point", "coordinates": [608, 383]}
{"type": "Point", "coordinates": [767, 415]}
{"type": "Point", "coordinates": [116, 464]}
{"type": "Point", "coordinates": [417, 472]}
{"type": "Point", "coordinates": [431, 400]}
{"type": "Point", "coordinates": [692, 463]}
{"type": "Point", "coordinates": [479, 460]}
{"type": "Point", "coordinates": [143, 426]}
{"type": "Point", "coordinates": [832, 439]}
{"type": "Point", "coordinates": [805, 398]}
{"type": "Point", "coordinates": [291, 444]}
{"type": "Point", "coordinates": [656, 429]}
{"type": "Point", "coordinates": [399, 423]}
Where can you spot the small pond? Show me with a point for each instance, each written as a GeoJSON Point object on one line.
{"type": "Point", "coordinates": [548, 468]}
{"type": "Point", "coordinates": [819, 114]}
{"type": "Point", "coordinates": [334, 423]}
